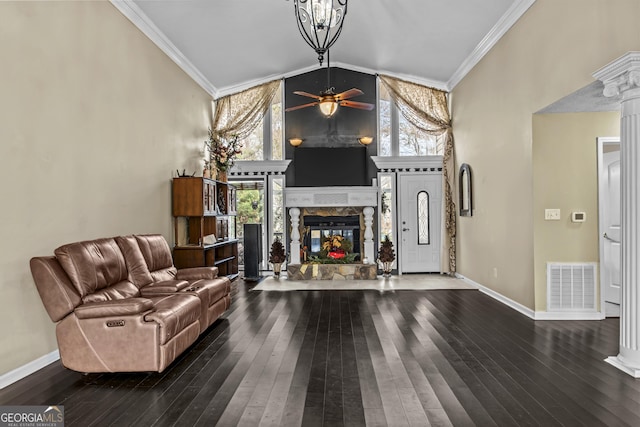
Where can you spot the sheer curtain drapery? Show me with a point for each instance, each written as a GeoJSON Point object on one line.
{"type": "Point", "coordinates": [427, 109]}
{"type": "Point", "coordinates": [237, 115]}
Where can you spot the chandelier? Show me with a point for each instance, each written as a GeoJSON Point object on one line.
{"type": "Point", "coordinates": [320, 23]}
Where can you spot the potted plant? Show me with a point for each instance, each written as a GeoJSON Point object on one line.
{"type": "Point", "coordinates": [277, 256]}
{"type": "Point", "coordinates": [386, 256]}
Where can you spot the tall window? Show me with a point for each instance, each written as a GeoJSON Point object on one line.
{"type": "Point", "coordinates": [265, 142]}
{"type": "Point", "coordinates": [276, 126]}
{"type": "Point", "coordinates": [277, 208]}
{"type": "Point", "coordinates": [398, 137]}
{"type": "Point", "coordinates": [384, 118]}
{"type": "Point", "coordinates": [387, 204]}
{"type": "Point", "coordinates": [252, 145]}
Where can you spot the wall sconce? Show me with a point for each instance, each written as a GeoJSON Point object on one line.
{"type": "Point", "coordinates": [295, 142]}
{"type": "Point", "coordinates": [365, 140]}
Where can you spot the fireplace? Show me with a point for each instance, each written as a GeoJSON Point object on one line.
{"type": "Point", "coordinates": [317, 227]}
{"type": "Point", "coordinates": [346, 210]}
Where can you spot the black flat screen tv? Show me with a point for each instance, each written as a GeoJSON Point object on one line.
{"type": "Point", "coordinates": [326, 167]}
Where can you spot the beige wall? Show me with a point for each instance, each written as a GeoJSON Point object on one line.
{"type": "Point", "coordinates": [549, 53]}
{"type": "Point", "coordinates": [95, 118]}
{"type": "Point", "coordinates": [565, 177]}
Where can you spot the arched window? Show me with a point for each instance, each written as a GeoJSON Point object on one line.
{"type": "Point", "coordinates": [423, 218]}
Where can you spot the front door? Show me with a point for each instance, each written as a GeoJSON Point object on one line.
{"type": "Point", "coordinates": [419, 225]}
{"type": "Point", "coordinates": [610, 226]}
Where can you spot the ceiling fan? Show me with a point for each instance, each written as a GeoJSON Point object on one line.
{"type": "Point", "coordinates": [328, 100]}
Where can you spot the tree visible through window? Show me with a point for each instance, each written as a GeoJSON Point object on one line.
{"type": "Point", "coordinates": [398, 137]}
{"type": "Point", "coordinates": [270, 129]}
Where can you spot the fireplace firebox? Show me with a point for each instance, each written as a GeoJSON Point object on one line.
{"type": "Point", "coordinates": [319, 227]}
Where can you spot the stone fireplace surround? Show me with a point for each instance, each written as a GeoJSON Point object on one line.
{"type": "Point", "coordinates": [335, 201]}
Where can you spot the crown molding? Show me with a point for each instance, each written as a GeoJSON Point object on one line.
{"type": "Point", "coordinates": [435, 84]}
{"type": "Point", "coordinates": [229, 90]}
{"type": "Point", "coordinates": [132, 12]}
{"type": "Point", "coordinates": [507, 20]}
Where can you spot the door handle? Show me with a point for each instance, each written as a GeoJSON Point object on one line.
{"type": "Point", "coordinates": [610, 239]}
{"type": "Point", "coordinates": [405, 229]}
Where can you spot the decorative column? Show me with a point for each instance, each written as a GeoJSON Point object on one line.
{"type": "Point", "coordinates": [622, 77]}
{"type": "Point", "coordinates": [294, 247]}
{"type": "Point", "coordinates": [368, 234]}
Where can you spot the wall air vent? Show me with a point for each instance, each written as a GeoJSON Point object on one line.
{"type": "Point", "coordinates": [571, 287]}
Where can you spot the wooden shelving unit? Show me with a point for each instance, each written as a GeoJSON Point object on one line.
{"type": "Point", "coordinates": [201, 211]}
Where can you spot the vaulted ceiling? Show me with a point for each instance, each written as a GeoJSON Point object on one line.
{"type": "Point", "coordinates": [228, 45]}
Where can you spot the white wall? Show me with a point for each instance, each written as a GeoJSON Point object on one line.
{"type": "Point", "coordinates": [549, 53]}
{"type": "Point", "coordinates": [95, 119]}
{"type": "Point", "coordinates": [565, 177]}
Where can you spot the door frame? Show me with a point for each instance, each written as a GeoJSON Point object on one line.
{"type": "Point", "coordinates": [601, 142]}
{"type": "Point", "coordinates": [400, 205]}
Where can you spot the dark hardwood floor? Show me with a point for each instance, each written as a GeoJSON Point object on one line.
{"type": "Point", "coordinates": [362, 358]}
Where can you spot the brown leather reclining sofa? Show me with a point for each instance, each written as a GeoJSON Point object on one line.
{"type": "Point", "coordinates": [120, 305]}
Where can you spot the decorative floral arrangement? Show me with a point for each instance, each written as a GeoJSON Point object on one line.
{"type": "Point", "coordinates": [223, 154]}
{"type": "Point", "coordinates": [335, 249]}
{"type": "Point", "coordinates": [335, 246]}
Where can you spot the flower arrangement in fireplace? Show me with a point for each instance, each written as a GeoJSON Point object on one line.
{"type": "Point", "coordinates": [335, 249]}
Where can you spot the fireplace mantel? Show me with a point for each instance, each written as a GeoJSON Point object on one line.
{"type": "Point", "coordinates": [306, 197]}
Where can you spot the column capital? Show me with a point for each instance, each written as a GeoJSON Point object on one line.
{"type": "Point", "coordinates": [621, 75]}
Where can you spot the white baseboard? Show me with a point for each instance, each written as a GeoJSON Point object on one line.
{"type": "Point", "coordinates": [550, 315]}
{"type": "Point", "coordinates": [498, 296]}
{"type": "Point", "coordinates": [28, 369]}
{"type": "Point", "coordinates": [535, 315]}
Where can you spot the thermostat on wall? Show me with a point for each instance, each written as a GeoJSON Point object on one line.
{"type": "Point", "coordinates": [578, 216]}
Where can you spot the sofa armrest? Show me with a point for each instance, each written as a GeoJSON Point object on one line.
{"type": "Point", "coordinates": [123, 307]}
{"type": "Point", "coordinates": [197, 273]}
{"type": "Point", "coordinates": [163, 287]}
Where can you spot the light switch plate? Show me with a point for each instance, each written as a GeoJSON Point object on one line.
{"type": "Point", "coordinates": [552, 214]}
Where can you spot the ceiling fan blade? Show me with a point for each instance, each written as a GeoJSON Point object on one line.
{"type": "Point", "coordinates": [359, 105]}
{"type": "Point", "coordinates": [310, 95]}
{"type": "Point", "coordinates": [297, 107]}
{"type": "Point", "coordinates": [349, 94]}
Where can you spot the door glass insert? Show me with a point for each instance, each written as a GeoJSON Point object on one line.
{"type": "Point", "coordinates": [423, 218]}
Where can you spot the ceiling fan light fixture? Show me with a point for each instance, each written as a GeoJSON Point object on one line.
{"type": "Point", "coordinates": [328, 107]}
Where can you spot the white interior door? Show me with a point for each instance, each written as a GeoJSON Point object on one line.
{"type": "Point", "coordinates": [610, 211]}
{"type": "Point", "coordinates": [419, 225]}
